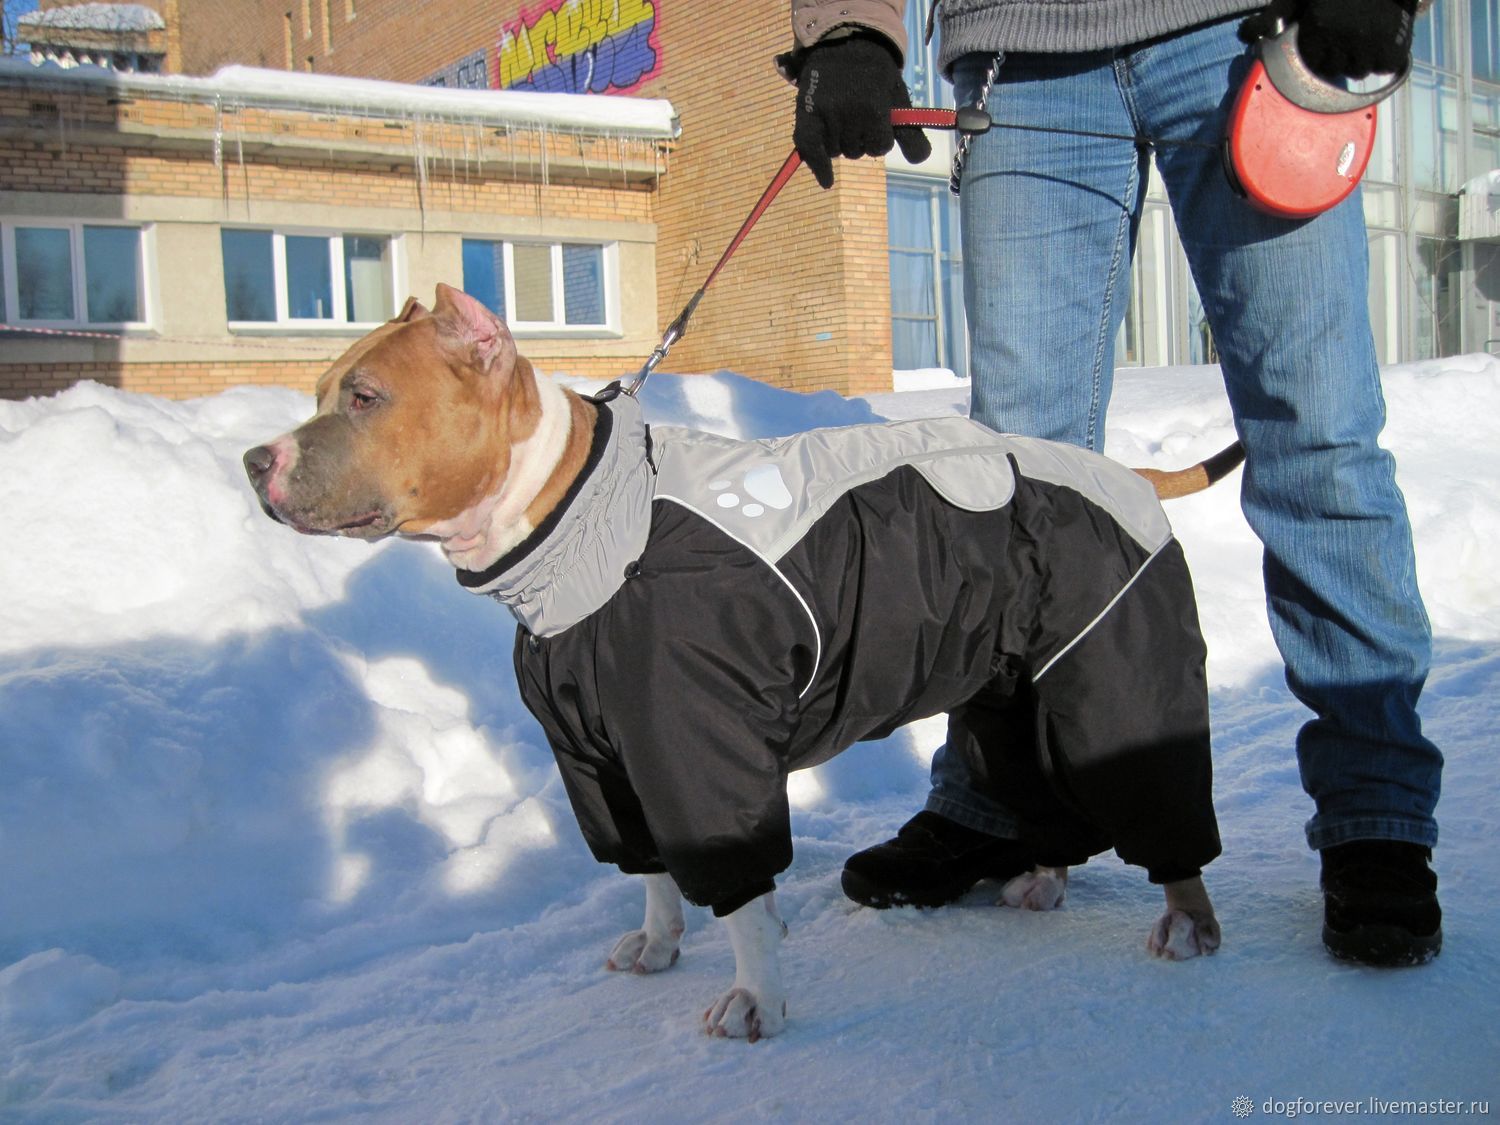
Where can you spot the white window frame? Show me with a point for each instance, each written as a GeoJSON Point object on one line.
{"type": "Point", "coordinates": [558, 327]}
{"type": "Point", "coordinates": [285, 322]}
{"type": "Point", "coordinates": [145, 279]}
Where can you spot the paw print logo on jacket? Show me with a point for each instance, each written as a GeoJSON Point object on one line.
{"type": "Point", "coordinates": [763, 485]}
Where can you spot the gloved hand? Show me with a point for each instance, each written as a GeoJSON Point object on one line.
{"type": "Point", "coordinates": [1342, 38]}
{"type": "Point", "coordinates": [846, 90]}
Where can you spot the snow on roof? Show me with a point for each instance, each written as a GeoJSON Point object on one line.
{"type": "Point", "coordinates": [94, 17]}
{"type": "Point", "coordinates": [645, 118]}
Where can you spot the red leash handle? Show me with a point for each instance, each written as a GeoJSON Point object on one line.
{"type": "Point", "coordinates": [921, 118]}
{"type": "Point", "coordinates": [925, 118]}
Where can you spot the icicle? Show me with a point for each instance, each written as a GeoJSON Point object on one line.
{"type": "Point", "coordinates": [419, 151]}
{"type": "Point", "coordinates": [219, 153]}
{"type": "Point", "coordinates": [239, 146]}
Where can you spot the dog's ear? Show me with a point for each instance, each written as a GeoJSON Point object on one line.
{"type": "Point", "coordinates": [477, 335]}
{"type": "Point", "coordinates": [412, 310]}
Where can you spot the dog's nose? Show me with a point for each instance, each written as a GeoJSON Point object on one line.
{"type": "Point", "coordinates": [260, 461]}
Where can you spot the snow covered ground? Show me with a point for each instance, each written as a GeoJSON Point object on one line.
{"type": "Point", "coordinates": [279, 843]}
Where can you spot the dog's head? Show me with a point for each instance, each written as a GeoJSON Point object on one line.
{"type": "Point", "coordinates": [414, 426]}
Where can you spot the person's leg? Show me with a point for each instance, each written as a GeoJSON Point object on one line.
{"type": "Point", "coordinates": [1049, 223]}
{"type": "Point", "coordinates": [1287, 304]}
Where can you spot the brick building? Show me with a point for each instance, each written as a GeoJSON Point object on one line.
{"type": "Point", "coordinates": [233, 184]}
{"type": "Point", "coordinates": [805, 303]}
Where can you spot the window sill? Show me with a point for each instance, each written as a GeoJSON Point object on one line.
{"type": "Point", "coordinates": [48, 329]}
{"type": "Point", "coordinates": [303, 328]}
{"type": "Point", "coordinates": [583, 332]}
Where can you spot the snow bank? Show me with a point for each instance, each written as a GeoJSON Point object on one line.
{"type": "Point", "coordinates": [279, 841]}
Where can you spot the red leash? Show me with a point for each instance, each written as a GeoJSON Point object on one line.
{"type": "Point", "coordinates": [922, 118]}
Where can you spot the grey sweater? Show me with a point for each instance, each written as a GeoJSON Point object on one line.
{"type": "Point", "coordinates": [1069, 25]}
{"type": "Point", "coordinates": [1052, 26]}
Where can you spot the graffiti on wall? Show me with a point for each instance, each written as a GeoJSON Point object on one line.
{"type": "Point", "coordinates": [470, 73]}
{"type": "Point", "coordinates": [580, 47]}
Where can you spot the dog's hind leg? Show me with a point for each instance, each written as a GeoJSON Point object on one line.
{"type": "Point", "coordinates": [1044, 888]}
{"type": "Point", "coordinates": [1189, 927]}
{"type": "Point", "coordinates": [655, 945]}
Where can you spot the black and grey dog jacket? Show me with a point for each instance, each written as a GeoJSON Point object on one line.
{"type": "Point", "coordinates": [702, 615]}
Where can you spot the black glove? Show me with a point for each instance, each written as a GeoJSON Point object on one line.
{"type": "Point", "coordinates": [1342, 38]}
{"type": "Point", "coordinates": [846, 89]}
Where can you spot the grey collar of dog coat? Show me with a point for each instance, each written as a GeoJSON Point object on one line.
{"type": "Point", "coordinates": [554, 581]}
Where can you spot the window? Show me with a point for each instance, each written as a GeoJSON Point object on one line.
{"type": "Point", "coordinates": [1434, 38]}
{"type": "Point", "coordinates": [1435, 130]}
{"type": "Point", "coordinates": [307, 280]}
{"type": "Point", "coordinates": [68, 273]}
{"type": "Point", "coordinates": [1437, 266]}
{"type": "Point", "coordinates": [1484, 39]}
{"type": "Point", "coordinates": [544, 286]}
{"type": "Point", "coordinates": [927, 311]}
{"type": "Point", "coordinates": [1484, 141]}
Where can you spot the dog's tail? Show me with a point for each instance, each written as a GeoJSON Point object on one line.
{"type": "Point", "coordinates": [1195, 478]}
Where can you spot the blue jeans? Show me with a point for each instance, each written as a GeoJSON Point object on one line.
{"type": "Point", "coordinates": [1049, 226]}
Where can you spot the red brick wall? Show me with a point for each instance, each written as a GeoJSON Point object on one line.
{"type": "Point", "coordinates": [805, 303]}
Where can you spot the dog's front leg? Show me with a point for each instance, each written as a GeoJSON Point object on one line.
{"type": "Point", "coordinates": [1189, 927]}
{"type": "Point", "coordinates": [655, 945]}
{"type": "Point", "coordinates": [755, 1007]}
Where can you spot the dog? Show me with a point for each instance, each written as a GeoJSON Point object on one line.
{"type": "Point", "coordinates": [698, 616]}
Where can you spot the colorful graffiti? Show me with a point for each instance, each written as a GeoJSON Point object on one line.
{"type": "Point", "coordinates": [580, 47]}
{"type": "Point", "coordinates": [469, 73]}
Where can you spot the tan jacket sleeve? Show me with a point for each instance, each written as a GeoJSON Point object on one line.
{"type": "Point", "coordinates": [813, 20]}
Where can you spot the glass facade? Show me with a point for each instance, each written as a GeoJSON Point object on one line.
{"type": "Point", "coordinates": [1431, 294]}
{"type": "Point", "coordinates": [927, 323]}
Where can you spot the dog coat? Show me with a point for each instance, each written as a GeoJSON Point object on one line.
{"type": "Point", "coordinates": [702, 615]}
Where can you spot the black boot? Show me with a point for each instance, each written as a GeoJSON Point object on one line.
{"type": "Point", "coordinates": [932, 861]}
{"type": "Point", "coordinates": [1380, 903]}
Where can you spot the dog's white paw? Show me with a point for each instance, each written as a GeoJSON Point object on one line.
{"type": "Point", "coordinates": [1035, 890]}
{"type": "Point", "coordinates": [639, 952]}
{"type": "Point", "coordinates": [1180, 934]}
{"type": "Point", "coordinates": [739, 1014]}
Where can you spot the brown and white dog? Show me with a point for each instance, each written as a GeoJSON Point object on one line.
{"type": "Point", "coordinates": [433, 427]}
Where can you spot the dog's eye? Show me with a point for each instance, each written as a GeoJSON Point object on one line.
{"type": "Point", "coordinates": [360, 400]}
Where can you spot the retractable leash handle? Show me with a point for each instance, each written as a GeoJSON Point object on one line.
{"type": "Point", "coordinates": [1290, 74]}
{"type": "Point", "coordinates": [1298, 145]}
{"type": "Point", "coordinates": [922, 118]}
